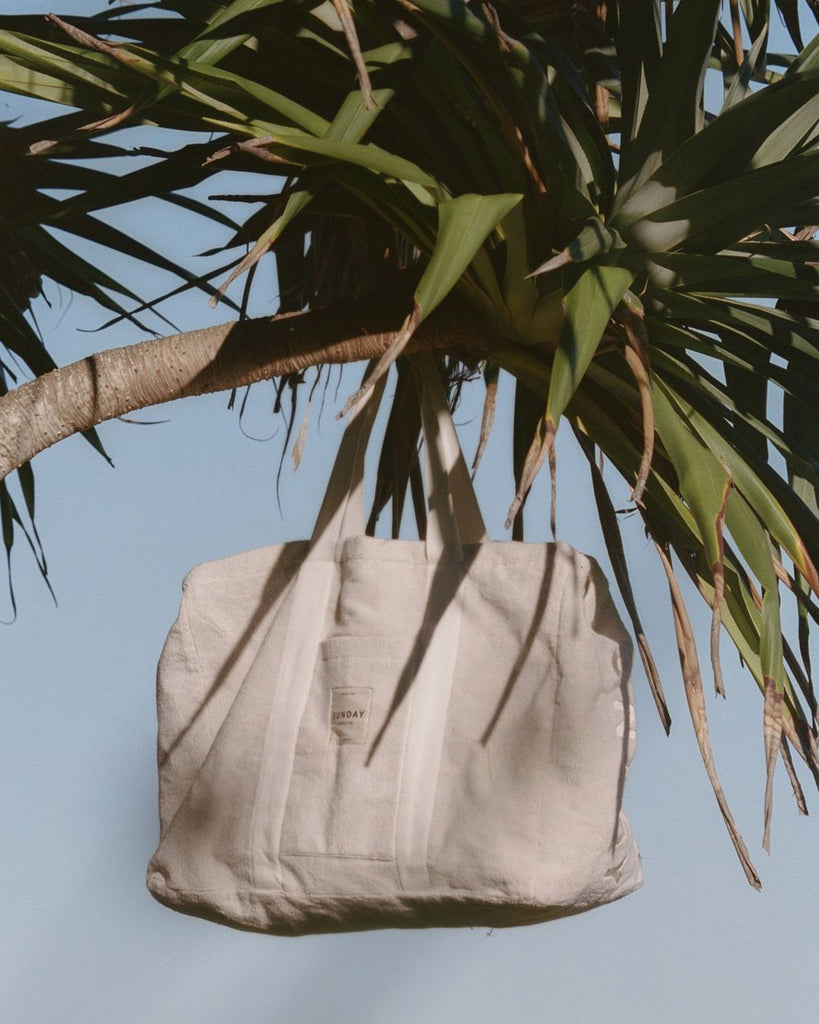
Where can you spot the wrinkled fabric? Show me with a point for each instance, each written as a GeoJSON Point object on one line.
{"type": "Point", "coordinates": [377, 733]}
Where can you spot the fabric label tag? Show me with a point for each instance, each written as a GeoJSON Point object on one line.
{"type": "Point", "coordinates": [350, 713]}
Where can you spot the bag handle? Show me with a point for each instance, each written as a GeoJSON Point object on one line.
{"type": "Point", "coordinates": [454, 514]}
{"type": "Point", "coordinates": [342, 510]}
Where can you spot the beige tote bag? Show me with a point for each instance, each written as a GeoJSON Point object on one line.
{"type": "Point", "coordinates": [361, 733]}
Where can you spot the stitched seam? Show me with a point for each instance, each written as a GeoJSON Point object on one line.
{"type": "Point", "coordinates": [263, 758]}
{"type": "Point", "coordinates": [336, 856]}
{"type": "Point", "coordinates": [190, 639]}
{"type": "Point", "coordinates": [558, 668]}
{"type": "Point", "coordinates": [459, 597]}
{"type": "Point", "coordinates": [439, 895]}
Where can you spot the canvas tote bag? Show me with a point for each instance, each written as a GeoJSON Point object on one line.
{"type": "Point", "coordinates": [362, 733]}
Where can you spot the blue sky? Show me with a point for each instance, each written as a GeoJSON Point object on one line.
{"type": "Point", "coordinates": [80, 938]}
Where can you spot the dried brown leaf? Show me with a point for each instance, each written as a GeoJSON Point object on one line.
{"type": "Point", "coordinates": [616, 553]}
{"type": "Point", "coordinates": [601, 105]}
{"type": "Point", "coordinates": [637, 358]}
{"type": "Point", "coordinates": [345, 16]}
{"type": "Point", "coordinates": [796, 786]}
{"type": "Point", "coordinates": [90, 42]}
{"type": "Point", "coordinates": [250, 260]}
{"type": "Point", "coordinates": [803, 740]}
{"type": "Point", "coordinates": [301, 440]}
{"type": "Point", "coordinates": [253, 147]}
{"type": "Point", "coordinates": [718, 573]}
{"type": "Point", "coordinates": [396, 347]}
{"type": "Point", "coordinates": [487, 420]}
{"type": "Point", "coordinates": [692, 679]}
{"type": "Point", "coordinates": [543, 444]}
{"type": "Point", "coordinates": [772, 731]}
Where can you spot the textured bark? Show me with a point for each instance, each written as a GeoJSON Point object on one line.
{"type": "Point", "coordinates": [117, 381]}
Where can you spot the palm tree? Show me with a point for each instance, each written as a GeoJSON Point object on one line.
{"type": "Point", "coordinates": [534, 188]}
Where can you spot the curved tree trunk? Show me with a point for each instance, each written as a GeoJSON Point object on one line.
{"type": "Point", "coordinates": [117, 381]}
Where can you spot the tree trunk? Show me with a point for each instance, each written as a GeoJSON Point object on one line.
{"type": "Point", "coordinates": [117, 381]}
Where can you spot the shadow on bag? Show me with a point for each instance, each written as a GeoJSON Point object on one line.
{"type": "Point", "coordinates": [361, 733]}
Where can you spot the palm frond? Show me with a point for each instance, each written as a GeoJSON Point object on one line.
{"type": "Point", "coordinates": [646, 264]}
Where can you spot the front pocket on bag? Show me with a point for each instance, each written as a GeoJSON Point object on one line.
{"type": "Point", "coordinates": [346, 777]}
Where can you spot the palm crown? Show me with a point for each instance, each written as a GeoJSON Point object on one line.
{"type": "Point", "coordinates": [547, 177]}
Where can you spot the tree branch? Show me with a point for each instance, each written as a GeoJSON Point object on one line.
{"type": "Point", "coordinates": [117, 381]}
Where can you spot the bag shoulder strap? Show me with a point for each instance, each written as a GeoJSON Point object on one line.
{"type": "Point", "coordinates": [454, 514]}
{"type": "Point", "coordinates": [342, 510]}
